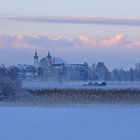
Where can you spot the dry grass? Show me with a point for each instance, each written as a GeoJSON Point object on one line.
{"type": "Point", "coordinates": [88, 95]}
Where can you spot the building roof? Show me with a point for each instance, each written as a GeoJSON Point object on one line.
{"type": "Point", "coordinates": [57, 61]}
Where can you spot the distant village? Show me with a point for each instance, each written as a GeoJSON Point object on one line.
{"type": "Point", "coordinates": [53, 68]}
{"type": "Point", "coordinates": [57, 69]}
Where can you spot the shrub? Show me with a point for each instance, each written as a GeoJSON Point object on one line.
{"type": "Point", "coordinates": [8, 87]}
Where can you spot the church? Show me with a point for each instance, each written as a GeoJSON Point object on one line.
{"type": "Point", "coordinates": [52, 67]}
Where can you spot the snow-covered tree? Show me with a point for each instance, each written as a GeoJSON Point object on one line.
{"type": "Point", "coordinates": [9, 83]}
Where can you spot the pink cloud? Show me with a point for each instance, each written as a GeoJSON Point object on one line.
{"type": "Point", "coordinates": [85, 39]}
{"type": "Point", "coordinates": [62, 37]}
{"type": "Point", "coordinates": [65, 42]}
{"type": "Point", "coordinates": [1, 44]}
{"type": "Point", "coordinates": [88, 40]}
{"type": "Point", "coordinates": [114, 40]}
{"type": "Point", "coordinates": [134, 44]}
{"type": "Point", "coordinates": [15, 42]}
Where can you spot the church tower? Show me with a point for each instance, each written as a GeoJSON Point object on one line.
{"type": "Point", "coordinates": [49, 62]}
{"type": "Point", "coordinates": [36, 59]}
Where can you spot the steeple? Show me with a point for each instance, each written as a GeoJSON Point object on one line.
{"type": "Point", "coordinates": [49, 61]}
{"type": "Point", "coordinates": [36, 55]}
{"type": "Point", "coordinates": [49, 55]}
{"type": "Point", "coordinates": [36, 59]}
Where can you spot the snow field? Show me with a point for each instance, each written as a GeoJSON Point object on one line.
{"type": "Point", "coordinates": [99, 123]}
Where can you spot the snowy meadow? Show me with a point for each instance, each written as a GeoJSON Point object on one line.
{"type": "Point", "coordinates": [71, 112]}
{"type": "Point", "coordinates": [72, 123]}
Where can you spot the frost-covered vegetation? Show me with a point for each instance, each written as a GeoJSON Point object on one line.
{"type": "Point", "coordinates": [9, 82]}
{"type": "Point", "coordinates": [88, 95]}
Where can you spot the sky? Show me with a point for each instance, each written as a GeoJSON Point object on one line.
{"type": "Point", "coordinates": [76, 30]}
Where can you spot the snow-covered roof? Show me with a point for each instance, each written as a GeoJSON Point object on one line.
{"type": "Point", "coordinates": [59, 61]}
{"type": "Point", "coordinates": [75, 65]}
{"type": "Point", "coordinates": [23, 66]}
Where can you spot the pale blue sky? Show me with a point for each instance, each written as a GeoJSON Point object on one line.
{"type": "Point", "coordinates": [99, 8]}
{"type": "Point", "coordinates": [96, 8]}
{"type": "Point", "coordinates": [114, 9]}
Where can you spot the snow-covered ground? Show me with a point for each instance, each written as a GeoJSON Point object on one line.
{"type": "Point", "coordinates": [49, 84]}
{"type": "Point", "coordinates": [93, 123]}
{"type": "Point", "coordinates": [45, 84]}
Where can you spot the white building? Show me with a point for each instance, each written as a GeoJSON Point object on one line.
{"type": "Point", "coordinates": [57, 67]}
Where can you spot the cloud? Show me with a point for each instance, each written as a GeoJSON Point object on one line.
{"type": "Point", "coordinates": [118, 39]}
{"type": "Point", "coordinates": [80, 20]}
{"type": "Point", "coordinates": [14, 42]}
{"type": "Point", "coordinates": [35, 42]}
{"type": "Point", "coordinates": [134, 44]}
{"type": "Point", "coordinates": [88, 40]}
{"type": "Point", "coordinates": [66, 42]}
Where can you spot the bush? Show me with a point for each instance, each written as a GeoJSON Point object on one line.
{"type": "Point", "coordinates": [8, 88]}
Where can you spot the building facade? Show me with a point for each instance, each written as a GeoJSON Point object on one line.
{"type": "Point", "coordinates": [57, 68]}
